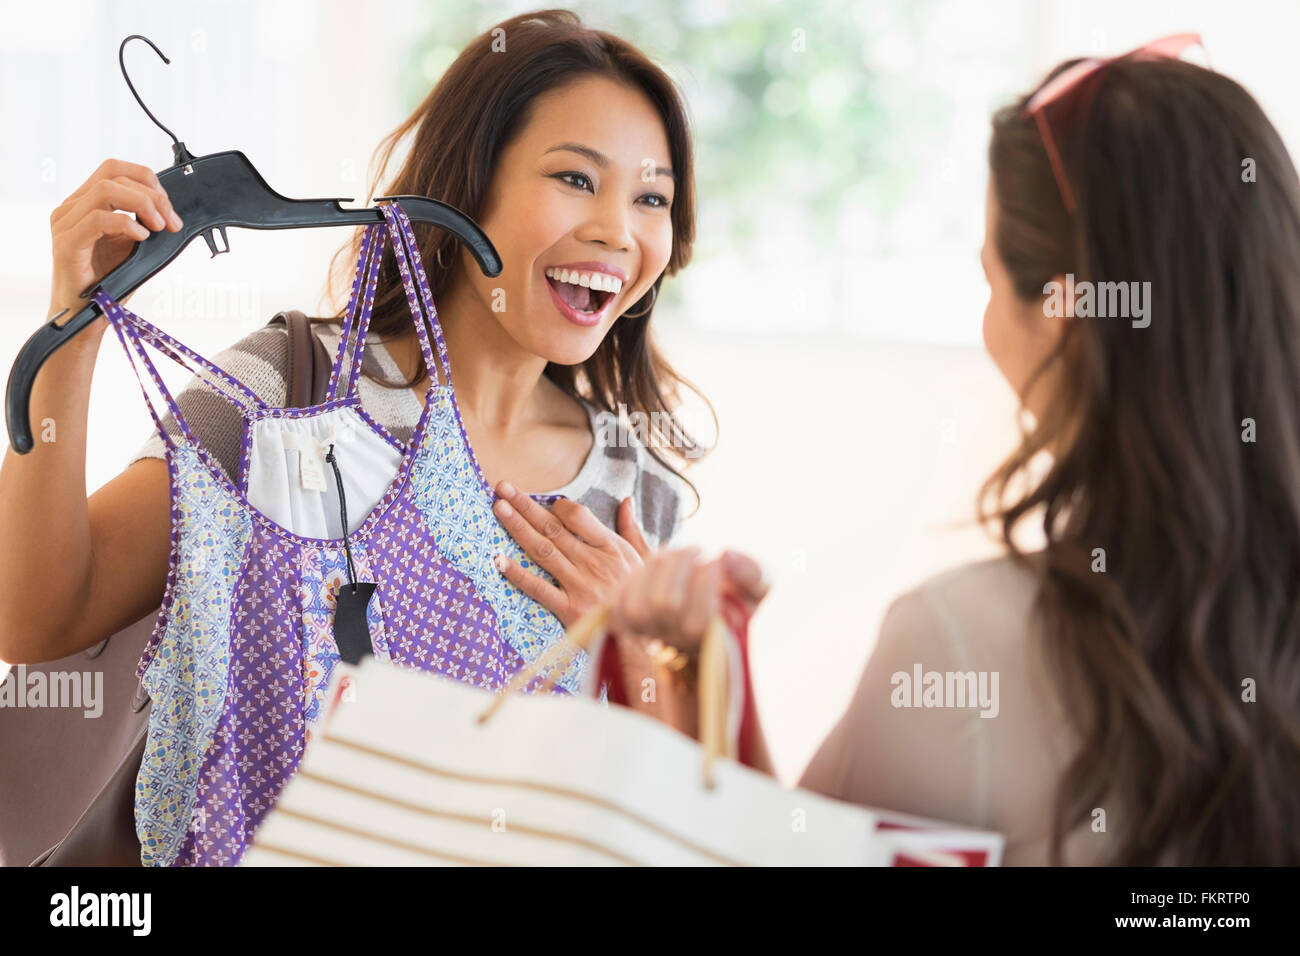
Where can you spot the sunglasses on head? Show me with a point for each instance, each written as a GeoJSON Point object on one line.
{"type": "Point", "coordinates": [1170, 47]}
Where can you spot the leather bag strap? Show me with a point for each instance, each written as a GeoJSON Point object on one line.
{"type": "Point", "coordinates": [309, 362]}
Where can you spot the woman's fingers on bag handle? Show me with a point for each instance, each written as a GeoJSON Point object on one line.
{"type": "Point", "coordinates": [672, 597]}
{"type": "Point", "coordinates": [666, 592]}
{"type": "Point", "coordinates": [91, 237]}
{"type": "Point", "coordinates": [701, 602]}
{"type": "Point", "coordinates": [745, 577]}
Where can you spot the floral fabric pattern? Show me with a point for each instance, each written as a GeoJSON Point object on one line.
{"type": "Point", "coordinates": [186, 676]}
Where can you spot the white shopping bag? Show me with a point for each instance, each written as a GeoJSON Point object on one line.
{"type": "Point", "coordinates": [404, 770]}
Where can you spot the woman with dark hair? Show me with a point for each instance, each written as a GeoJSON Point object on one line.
{"type": "Point", "coordinates": [540, 131]}
{"type": "Point", "coordinates": [1146, 708]}
{"type": "Point", "coordinates": [571, 149]}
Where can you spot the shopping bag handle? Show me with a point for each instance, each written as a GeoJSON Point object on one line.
{"type": "Point", "coordinates": [711, 683]}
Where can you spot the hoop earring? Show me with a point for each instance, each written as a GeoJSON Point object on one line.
{"type": "Point", "coordinates": [654, 297]}
{"type": "Point", "coordinates": [438, 257]}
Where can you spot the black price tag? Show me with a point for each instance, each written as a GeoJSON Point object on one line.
{"type": "Point", "coordinates": [351, 630]}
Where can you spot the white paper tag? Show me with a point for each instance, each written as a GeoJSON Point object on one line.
{"type": "Point", "coordinates": [311, 459]}
{"type": "Point", "coordinates": [311, 470]}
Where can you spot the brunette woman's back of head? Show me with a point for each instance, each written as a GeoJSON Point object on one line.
{"type": "Point", "coordinates": [1176, 451]}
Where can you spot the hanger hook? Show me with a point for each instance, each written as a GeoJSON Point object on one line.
{"type": "Point", "coordinates": [179, 151]}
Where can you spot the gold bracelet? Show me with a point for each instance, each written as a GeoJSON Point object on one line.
{"type": "Point", "coordinates": [674, 660]}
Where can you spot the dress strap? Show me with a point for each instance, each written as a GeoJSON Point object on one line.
{"type": "Point", "coordinates": [213, 375]}
{"type": "Point", "coordinates": [353, 336]}
{"type": "Point", "coordinates": [404, 244]}
{"type": "Point", "coordinates": [131, 338]}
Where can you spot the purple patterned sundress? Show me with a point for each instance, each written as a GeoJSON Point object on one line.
{"type": "Point", "coordinates": [243, 649]}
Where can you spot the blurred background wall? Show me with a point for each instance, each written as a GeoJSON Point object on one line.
{"type": "Point", "coordinates": [831, 313]}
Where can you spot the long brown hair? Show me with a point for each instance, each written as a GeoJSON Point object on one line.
{"type": "Point", "coordinates": [1180, 180]}
{"type": "Point", "coordinates": [463, 125]}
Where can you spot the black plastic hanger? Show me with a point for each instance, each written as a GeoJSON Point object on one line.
{"type": "Point", "coordinates": [210, 193]}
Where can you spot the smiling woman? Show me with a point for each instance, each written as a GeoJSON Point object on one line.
{"type": "Point", "coordinates": [571, 150]}
{"type": "Point", "coordinates": [574, 155]}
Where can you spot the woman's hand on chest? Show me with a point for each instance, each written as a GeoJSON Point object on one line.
{"type": "Point", "coordinates": [588, 560]}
